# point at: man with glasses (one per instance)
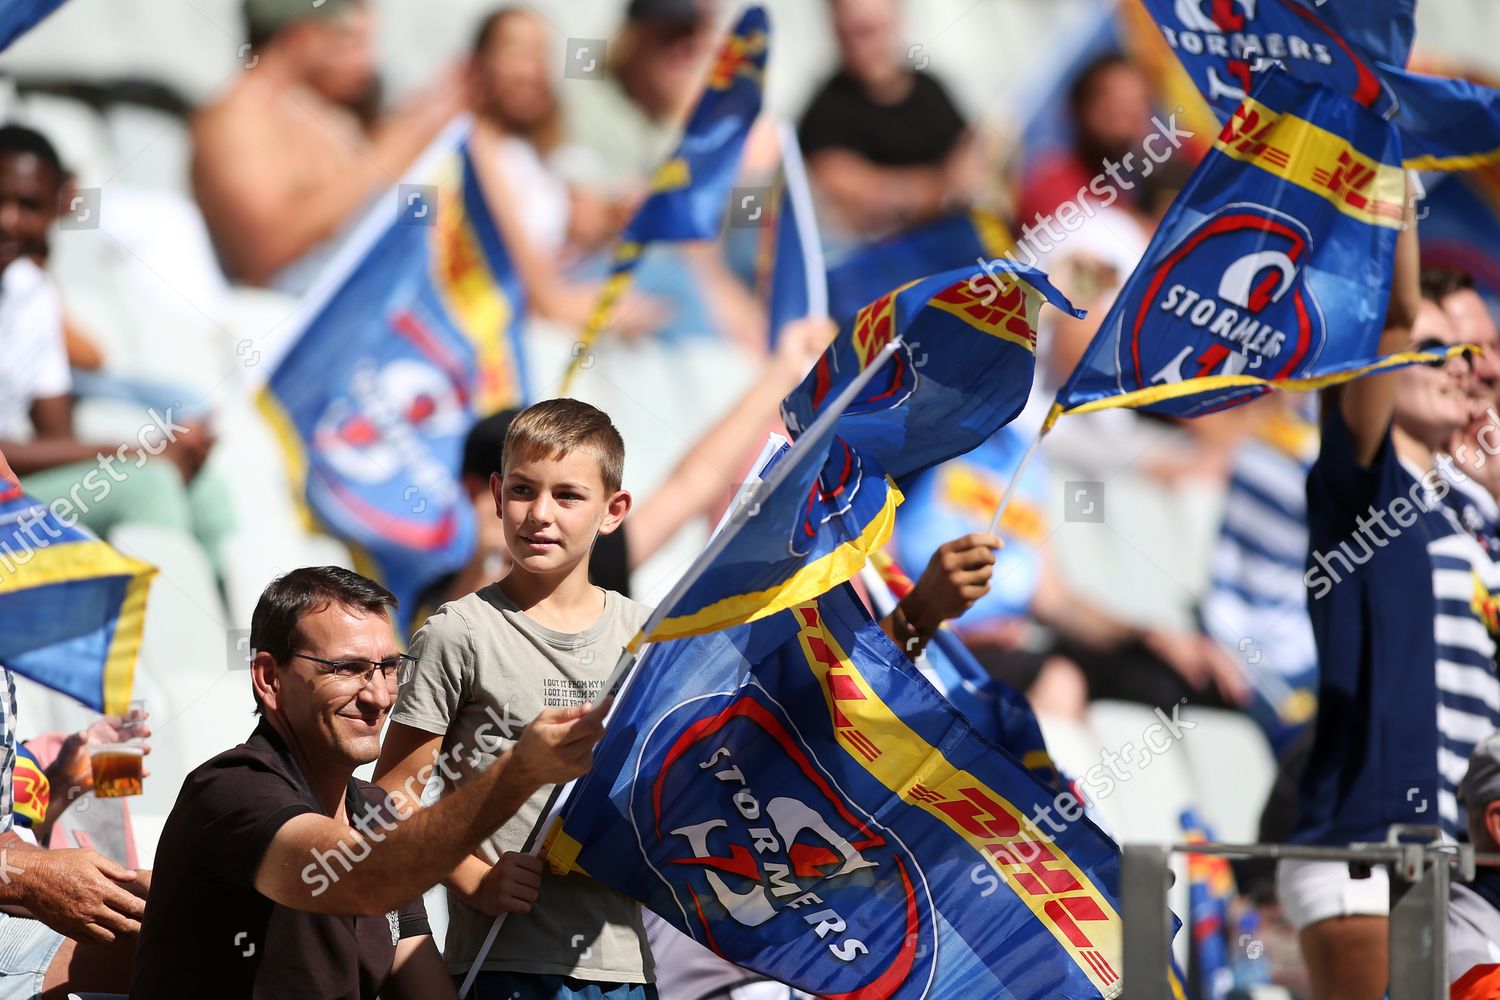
(281, 875)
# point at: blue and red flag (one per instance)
(1210, 891)
(690, 191)
(1272, 268)
(997, 711)
(71, 607)
(794, 797)
(951, 242)
(1357, 49)
(418, 335)
(933, 368)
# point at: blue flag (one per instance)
(418, 336)
(934, 368)
(1358, 49)
(19, 16)
(691, 189)
(797, 799)
(871, 270)
(799, 283)
(997, 711)
(71, 607)
(1210, 892)
(1272, 267)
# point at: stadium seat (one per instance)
(1227, 743)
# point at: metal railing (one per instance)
(1421, 871)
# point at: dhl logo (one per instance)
(970, 491)
(1005, 307)
(1311, 157)
(737, 58)
(1044, 879)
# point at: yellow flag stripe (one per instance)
(627, 255)
(1211, 383)
(1472, 161)
(1059, 894)
(817, 577)
(125, 645)
(1319, 161)
(70, 562)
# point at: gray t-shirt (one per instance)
(484, 670)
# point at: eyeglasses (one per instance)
(395, 669)
(1432, 345)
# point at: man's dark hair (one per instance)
(1440, 282)
(18, 140)
(293, 596)
(491, 24)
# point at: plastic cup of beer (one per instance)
(117, 767)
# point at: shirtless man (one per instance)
(282, 162)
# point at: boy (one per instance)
(544, 636)
(491, 661)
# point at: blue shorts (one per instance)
(527, 986)
(27, 947)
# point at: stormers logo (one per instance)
(761, 851)
(1235, 36)
(1229, 298)
(832, 495)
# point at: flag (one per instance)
(794, 797)
(921, 374)
(19, 16)
(963, 368)
(1210, 891)
(1459, 223)
(690, 190)
(417, 334)
(997, 711)
(871, 270)
(71, 607)
(796, 275)
(1357, 49)
(1272, 267)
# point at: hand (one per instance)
(70, 773)
(800, 345)
(1227, 674)
(1182, 652)
(80, 893)
(558, 745)
(957, 575)
(189, 450)
(512, 885)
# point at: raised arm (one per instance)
(426, 844)
(1368, 403)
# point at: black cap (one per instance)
(684, 12)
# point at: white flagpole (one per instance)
(742, 513)
(1015, 479)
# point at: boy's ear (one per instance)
(497, 488)
(615, 511)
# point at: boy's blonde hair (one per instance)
(556, 427)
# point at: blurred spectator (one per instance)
(629, 118)
(885, 144)
(102, 484)
(1111, 109)
(1119, 660)
(282, 162)
(1474, 469)
(1474, 909)
(1399, 595)
(1256, 607)
(621, 127)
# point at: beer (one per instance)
(117, 770)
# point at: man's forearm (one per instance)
(430, 843)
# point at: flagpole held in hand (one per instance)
(635, 652)
(1015, 478)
